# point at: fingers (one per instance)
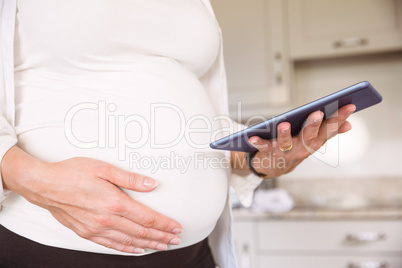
(140, 236)
(261, 144)
(284, 138)
(294, 150)
(345, 127)
(133, 210)
(148, 218)
(117, 246)
(128, 180)
(122, 242)
(335, 124)
(140, 225)
(314, 134)
(149, 224)
(116, 232)
(312, 127)
(281, 143)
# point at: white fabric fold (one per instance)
(8, 137)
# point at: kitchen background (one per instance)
(347, 198)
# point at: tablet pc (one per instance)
(362, 95)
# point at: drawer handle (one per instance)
(366, 237)
(369, 264)
(351, 42)
(278, 68)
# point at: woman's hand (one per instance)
(83, 195)
(293, 150)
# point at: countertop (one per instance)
(311, 213)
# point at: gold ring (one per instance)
(287, 149)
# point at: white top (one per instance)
(129, 69)
(154, 73)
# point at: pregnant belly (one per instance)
(156, 120)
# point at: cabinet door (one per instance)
(321, 236)
(321, 28)
(256, 60)
(244, 241)
(329, 261)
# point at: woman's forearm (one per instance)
(238, 161)
(20, 171)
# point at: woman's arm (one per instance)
(83, 195)
(272, 161)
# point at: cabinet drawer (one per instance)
(334, 28)
(330, 235)
(329, 262)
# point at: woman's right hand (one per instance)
(83, 195)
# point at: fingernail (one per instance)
(352, 111)
(161, 247)
(318, 120)
(175, 241)
(176, 231)
(151, 183)
(285, 130)
(255, 142)
(138, 251)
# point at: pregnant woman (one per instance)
(107, 109)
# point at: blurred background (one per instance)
(342, 207)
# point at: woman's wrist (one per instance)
(251, 164)
(20, 171)
(239, 162)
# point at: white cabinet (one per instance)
(263, 38)
(341, 236)
(255, 53)
(244, 243)
(330, 262)
(325, 28)
(265, 243)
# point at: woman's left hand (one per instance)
(293, 150)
